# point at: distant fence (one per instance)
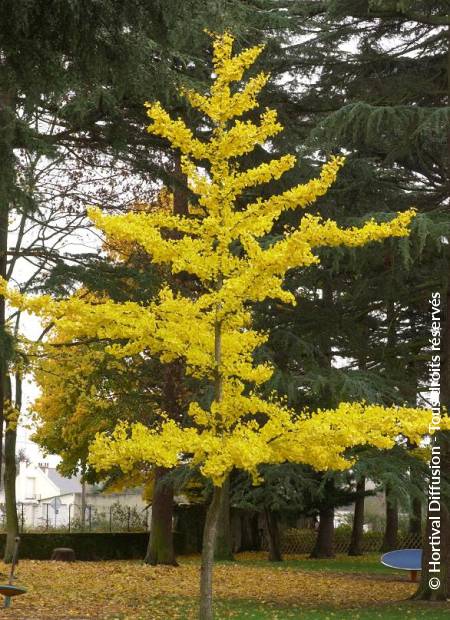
(122, 518)
(44, 517)
(296, 541)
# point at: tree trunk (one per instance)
(325, 535)
(83, 502)
(209, 543)
(390, 539)
(356, 540)
(212, 516)
(434, 583)
(12, 522)
(224, 545)
(160, 548)
(254, 533)
(273, 535)
(237, 530)
(415, 519)
(180, 191)
(3, 349)
(250, 538)
(7, 177)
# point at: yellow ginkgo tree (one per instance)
(219, 244)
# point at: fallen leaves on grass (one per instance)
(133, 591)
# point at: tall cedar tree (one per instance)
(384, 99)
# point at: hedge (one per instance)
(187, 539)
(87, 546)
(189, 523)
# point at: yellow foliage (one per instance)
(319, 439)
(69, 409)
(11, 415)
(212, 331)
(132, 590)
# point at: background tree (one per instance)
(283, 493)
(385, 99)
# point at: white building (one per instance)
(45, 499)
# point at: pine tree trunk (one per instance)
(224, 545)
(325, 535)
(415, 520)
(273, 535)
(356, 540)
(390, 539)
(180, 193)
(249, 532)
(323, 547)
(237, 525)
(160, 548)
(254, 534)
(208, 546)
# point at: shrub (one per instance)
(87, 546)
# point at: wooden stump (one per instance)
(63, 554)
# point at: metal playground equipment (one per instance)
(9, 590)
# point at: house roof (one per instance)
(65, 485)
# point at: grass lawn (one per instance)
(367, 563)
(250, 588)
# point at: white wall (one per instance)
(33, 484)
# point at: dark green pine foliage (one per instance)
(380, 94)
(368, 79)
(383, 97)
(291, 492)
